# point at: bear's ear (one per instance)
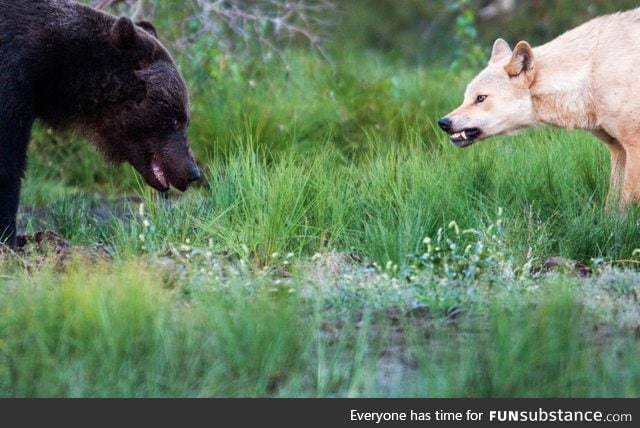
(148, 27)
(123, 34)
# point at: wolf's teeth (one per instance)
(460, 135)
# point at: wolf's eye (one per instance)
(480, 98)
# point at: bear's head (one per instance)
(147, 127)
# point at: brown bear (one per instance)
(76, 68)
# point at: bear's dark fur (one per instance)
(80, 69)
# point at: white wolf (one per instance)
(587, 78)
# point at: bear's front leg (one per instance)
(9, 198)
(15, 131)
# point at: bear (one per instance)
(77, 69)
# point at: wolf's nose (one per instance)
(445, 124)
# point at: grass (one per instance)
(300, 266)
(127, 331)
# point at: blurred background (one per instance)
(438, 32)
(426, 32)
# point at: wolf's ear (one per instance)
(521, 63)
(500, 50)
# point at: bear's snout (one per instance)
(181, 172)
(194, 173)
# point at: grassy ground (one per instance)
(338, 246)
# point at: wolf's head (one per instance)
(498, 100)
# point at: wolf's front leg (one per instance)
(631, 185)
(618, 157)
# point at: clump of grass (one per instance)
(79, 334)
(456, 263)
(102, 332)
(539, 345)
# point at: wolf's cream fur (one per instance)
(587, 78)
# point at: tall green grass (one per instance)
(124, 331)
(116, 332)
(534, 348)
(550, 185)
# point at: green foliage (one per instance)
(468, 53)
(136, 329)
(106, 333)
(537, 341)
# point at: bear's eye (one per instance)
(480, 98)
(180, 122)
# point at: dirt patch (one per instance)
(46, 241)
(562, 265)
(47, 246)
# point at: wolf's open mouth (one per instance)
(465, 137)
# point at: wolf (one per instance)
(587, 78)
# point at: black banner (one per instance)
(340, 412)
